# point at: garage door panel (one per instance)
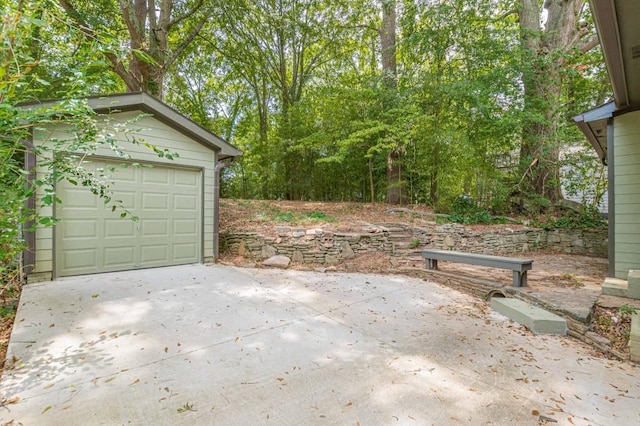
(74, 229)
(168, 202)
(83, 260)
(155, 201)
(155, 175)
(118, 228)
(76, 198)
(127, 198)
(124, 175)
(154, 253)
(185, 227)
(119, 257)
(184, 178)
(154, 228)
(185, 202)
(184, 251)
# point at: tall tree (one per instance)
(153, 42)
(546, 45)
(277, 46)
(390, 80)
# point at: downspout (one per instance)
(216, 204)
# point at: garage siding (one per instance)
(148, 130)
(627, 188)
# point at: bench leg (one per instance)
(519, 279)
(432, 264)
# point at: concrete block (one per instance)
(633, 286)
(635, 327)
(634, 338)
(536, 319)
(614, 287)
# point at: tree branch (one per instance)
(181, 48)
(116, 64)
(589, 44)
(186, 15)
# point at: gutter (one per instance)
(216, 204)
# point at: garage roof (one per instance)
(138, 101)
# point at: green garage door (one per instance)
(91, 238)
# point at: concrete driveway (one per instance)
(229, 346)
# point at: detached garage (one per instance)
(174, 200)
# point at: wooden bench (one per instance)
(518, 266)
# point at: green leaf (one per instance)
(144, 56)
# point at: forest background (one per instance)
(398, 101)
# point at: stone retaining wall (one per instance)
(317, 245)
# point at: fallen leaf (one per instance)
(47, 408)
(348, 404)
(166, 349)
(13, 400)
(109, 379)
(535, 412)
(95, 295)
(135, 382)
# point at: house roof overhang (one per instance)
(143, 102)
(593, 124)
(619, 35)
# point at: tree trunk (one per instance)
(542, 65)
(390, 79)
(148, 26)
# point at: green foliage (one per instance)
(7, 311)
(11, 243)
(415, 243)
(283, 216)
(286, 216)
(627, 310)
(465, 211)
(587, 218)
(73, 130)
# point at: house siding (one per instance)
(150, 130)
(627, 193)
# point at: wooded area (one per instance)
(404, 101)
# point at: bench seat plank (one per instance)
(519, 266)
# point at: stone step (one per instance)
(633, 284)
(614, 287)
(621, 288)
(536, 319)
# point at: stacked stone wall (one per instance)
(317, 245)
